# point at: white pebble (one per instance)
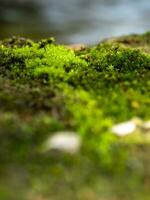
(124, 128)
(146, 126)
(65, 141)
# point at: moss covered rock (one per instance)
(46, 87)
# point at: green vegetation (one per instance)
(45, 88)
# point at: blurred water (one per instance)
(73, 21)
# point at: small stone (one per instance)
(146, 126)
(64, 141)
(124, 128)
(75, 47)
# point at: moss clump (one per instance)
(45, 87)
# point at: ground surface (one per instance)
(45, 88)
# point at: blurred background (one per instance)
(73, 21)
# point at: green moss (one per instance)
(44, 88)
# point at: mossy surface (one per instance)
(45, 88)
